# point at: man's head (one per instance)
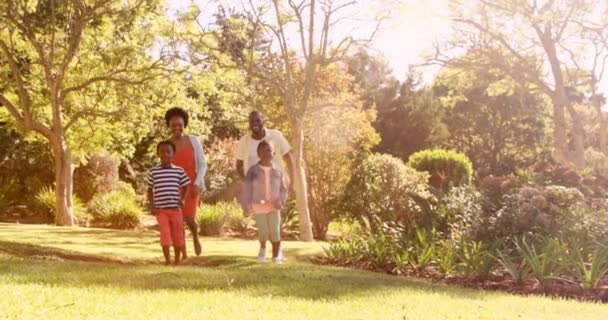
(165, 150)
(256, 122)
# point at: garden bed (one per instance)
(497, 281)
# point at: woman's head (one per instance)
(265, 152)
(177, 120)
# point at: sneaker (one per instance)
(277, 260)
(262, 255)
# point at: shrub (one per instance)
(446, 168)
(98, 175)
(445, 256)
(7, 193)
(213, 218)
(290, 220)
(116, 208)
(350, 250)
(540, 261)
(464, 213)
(235, 220)
(475, 258)
(378, 249)
(382, 189)
(220, 174)
(43, 206)
(596, 161)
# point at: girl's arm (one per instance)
(282, 193)
(245, 198)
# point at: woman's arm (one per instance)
(201, 163)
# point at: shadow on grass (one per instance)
(219, 272)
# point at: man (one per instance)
(247, 155)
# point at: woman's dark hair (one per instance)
(166, 143)
(262, 144)
(176, 112)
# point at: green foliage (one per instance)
(541, 261)
(588, 263)
(596, 161)
(346, 249)
(290, 219)
(235, 219)
(98, 175)
(475, 258)
(378, 249)
(446, 256)
(446, 168)
(518, 270)
(382, 189)
(117, 208)
(213, 218)
(7, 193)
(43, 205)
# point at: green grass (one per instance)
(66, 273)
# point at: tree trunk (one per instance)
(560, 145)
(64, 169)
(596, 101)
(300, 184)
(578, 138)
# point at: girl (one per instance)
(264, 194)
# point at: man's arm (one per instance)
(288, 159)
(239, 169)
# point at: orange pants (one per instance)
(171, 225)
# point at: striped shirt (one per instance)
(166, 183)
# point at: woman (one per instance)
(189, 156)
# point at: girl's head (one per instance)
(165, 150)
(177, 120)
(265, 152)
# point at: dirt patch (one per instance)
(498, 281)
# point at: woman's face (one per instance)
(176, 125)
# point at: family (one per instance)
(176, 184)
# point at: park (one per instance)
(303, 159)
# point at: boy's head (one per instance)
(165, 150)
(265, 152)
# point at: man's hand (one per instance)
(291, 189)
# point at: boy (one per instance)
(165, 201)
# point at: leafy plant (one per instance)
(43, 205)
(7, 187)
(422, 249)
(518, 271)
(379, 249)
(475, 258)
(446, 257)
(590, 265)
(117, 208)
(541, 262)
(348, 249)
(446, 167)
(211, 219)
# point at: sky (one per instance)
(409, 30)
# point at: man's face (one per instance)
(256, 123)
(165, 152)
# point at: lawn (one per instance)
(66, 273)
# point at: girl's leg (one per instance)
(261, 223)
(274, 227)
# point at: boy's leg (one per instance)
(177, 234)
(165, 234)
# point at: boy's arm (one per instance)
(151, 201)
(184, 194)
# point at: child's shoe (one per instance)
(262, 255)
(277, 260)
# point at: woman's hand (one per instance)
(196, 191)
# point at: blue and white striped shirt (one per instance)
(166, 183)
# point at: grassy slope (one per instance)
(89, 281)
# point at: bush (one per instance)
(213, 218)
(446, 168)
(117, 208)
(235, 220)
(220, 174)
(7, 193)
(43, 206)
(98, 175)
(464, 214)
(382, 189)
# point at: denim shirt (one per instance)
(254, 190)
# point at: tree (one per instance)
(537, 35)
(73, 72)
(290, 68)
(499, 123)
